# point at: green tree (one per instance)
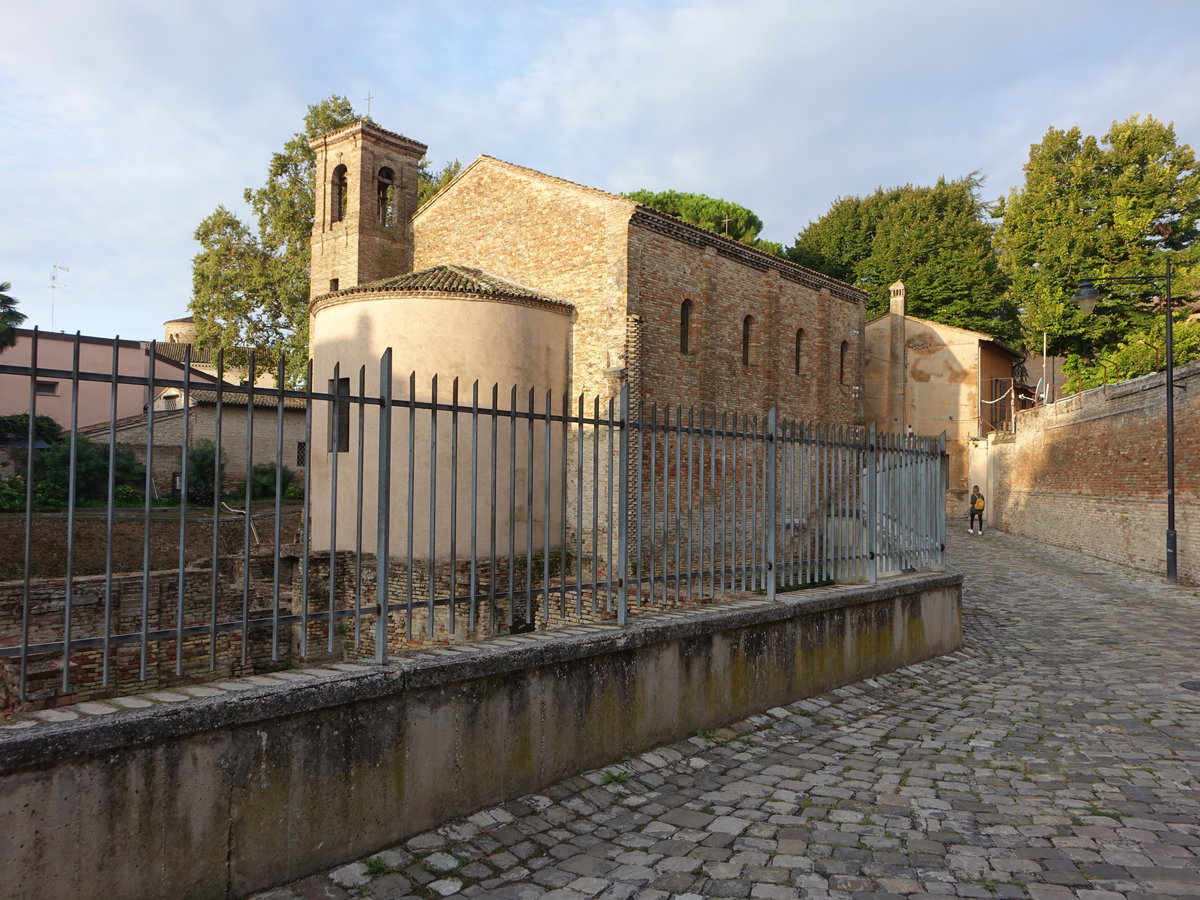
(263, 480)
(839, 242)
(719, 216)
(10, 317)
(1139, 353)
(430, 183)
(250, 286)
(250, 282)
(937, 239)
(1109, 207)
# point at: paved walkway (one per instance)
(1055, 756)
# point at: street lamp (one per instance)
(1086, 298)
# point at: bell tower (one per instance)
(366, 194)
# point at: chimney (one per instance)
(899, 299)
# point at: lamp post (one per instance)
(1086, 298)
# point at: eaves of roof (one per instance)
(451, 279)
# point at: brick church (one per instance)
(681, 314)
(545, 292)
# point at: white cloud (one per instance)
(127, 121)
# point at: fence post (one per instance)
(942, 483)
(383, 506)
(623, 510)
(872, 523)
(772, 500)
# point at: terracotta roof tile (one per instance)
(452, 279)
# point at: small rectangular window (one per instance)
(301, 453)
(47, 388)
(339, 415)
(333, 285)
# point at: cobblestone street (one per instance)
(1055, 756)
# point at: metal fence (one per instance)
(427, 516)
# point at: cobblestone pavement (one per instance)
(1055, 756)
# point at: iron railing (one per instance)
(426, 518)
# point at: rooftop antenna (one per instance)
(54, 286)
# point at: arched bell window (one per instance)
(338, 195)
(386, 193)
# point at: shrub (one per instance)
(262, 481)
(12, 492)
(124, 495)
(204, 473)
(48, 495)
(52, 468)
(16, 428)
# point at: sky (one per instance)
(126, 122)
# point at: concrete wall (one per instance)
(222, 795)
(1089, 473)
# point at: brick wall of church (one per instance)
(579, 243)
(723, 291)
(569, 242)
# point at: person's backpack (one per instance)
(979, 503)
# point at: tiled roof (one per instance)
(262, 397)
(367, 123)
(458, 280)
(176, 352)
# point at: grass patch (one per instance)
(376, 867)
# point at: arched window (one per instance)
(386, 190)
(685, 326)
(747, 327)
(842, 363)
(799, 349)
(338, 194)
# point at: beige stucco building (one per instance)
(926, 377)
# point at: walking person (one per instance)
(977, 507)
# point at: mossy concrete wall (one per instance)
(221, 795)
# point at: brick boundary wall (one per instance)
(1089, 473)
